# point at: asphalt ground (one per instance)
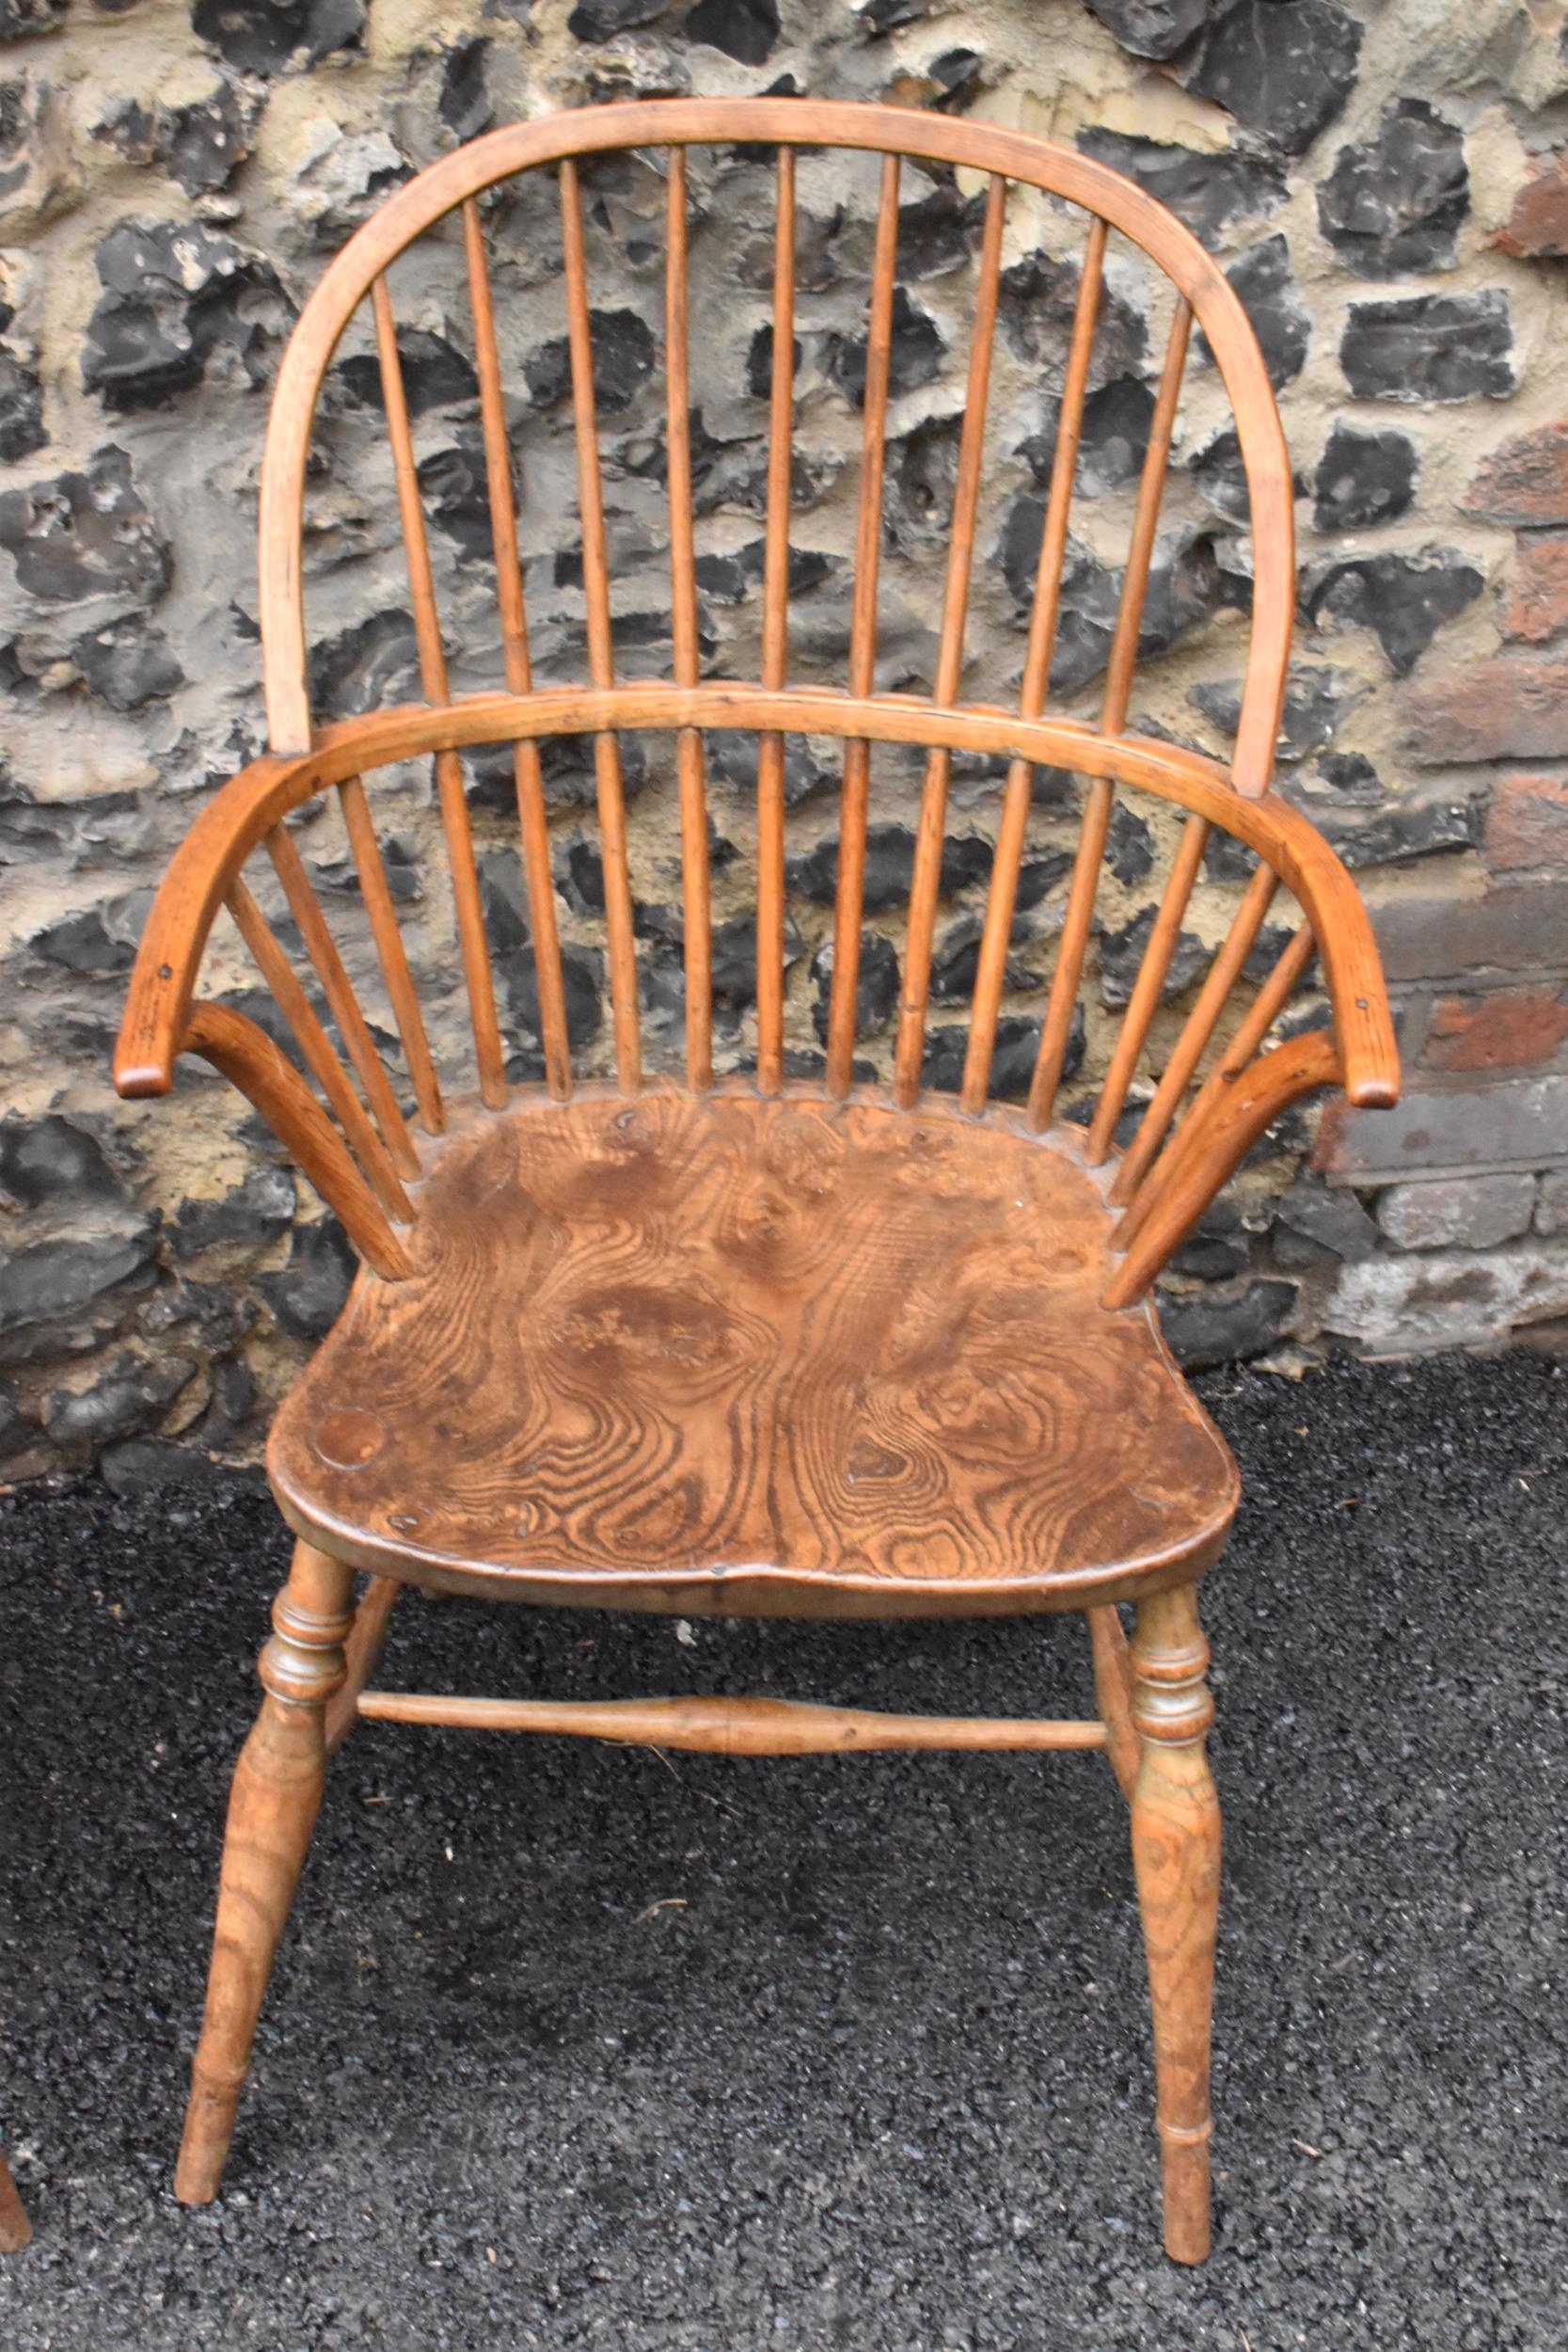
(571, 2045)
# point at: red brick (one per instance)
(1538, 601)
(1524, 479)
(1539, 222)
(1506, 1029)
(1526, 824)
(1514, 707)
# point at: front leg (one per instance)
(1175, 1859)
(272, 1810)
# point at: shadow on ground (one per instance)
(574, 2046)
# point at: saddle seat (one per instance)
(738, 1355)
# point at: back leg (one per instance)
(1113, 1691)
(1175, 1859)
(360, 1653)
(272, 1810)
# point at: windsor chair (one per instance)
(774, 1332)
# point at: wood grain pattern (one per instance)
(732, 1353)
(726, 1350)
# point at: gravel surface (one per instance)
(578, 2047)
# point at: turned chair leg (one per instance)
(272, 1810)
(360, 1653)
(16, 2231)
(1175, 1859)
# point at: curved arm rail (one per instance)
(231, 825)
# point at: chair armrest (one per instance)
(162, 1019)
(1369, 1057)
(200, 874)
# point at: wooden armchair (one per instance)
(792, 1340)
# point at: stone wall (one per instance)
(1387, 186)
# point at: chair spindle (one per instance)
(601, 660)
(390, 953)
(338, 989)
(1251, 1030)
(775, 643)
(925, 884)
(433, 679)
(1195, 1033)
(697, 916)
(316, 1047)
(863, 644)
(1013, 829)
(1118, 686)
(528, 781)
(1141, 1004)
(1140, 552)
(247, 1056)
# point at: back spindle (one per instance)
(1145, 997)
(433, 680)
(601, 665)
(775, 643)
(390, 953)
(1013, 829)
(926, 885)
(526, 779)
(1120, 667)
(863, 644)
(697, 917)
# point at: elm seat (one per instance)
(790, 1356)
